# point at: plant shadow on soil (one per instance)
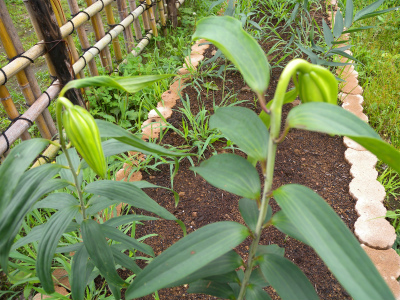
(312, 159)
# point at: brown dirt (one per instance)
(311, 159)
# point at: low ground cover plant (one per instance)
(204, 259)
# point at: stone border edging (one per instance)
(374, 232)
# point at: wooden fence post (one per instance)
(55, 46)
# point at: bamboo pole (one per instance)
(55, 47)
(162, 16)
(15, 131)
(39, 49)
(92, 52)
(115, 42)
(22, 80)
(153, 25)
(10, 108)
(136, 24)
(13, 35)
(74, 8)
(146, 18)
(128, 36)
(50, 152)
(139, 48)
(61, 20)
(105, 55)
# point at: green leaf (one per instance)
(333, 242)
(231, 173)
(57, 201)
(131, 84)
(338, 28)
(118, 236)
(100, 252)
(270, 249)
(110, 130)
(216, 289)
(186, 256)
(254, 292)
(239, 47)
(243, 127)
(377, 13)
(54, 228)
(286, 278)
(345, 54)
(327, 33)
(369, 9)
(348, 18)
(257, 278)
(249, 211)
(32, 186)
(66, 173)
(14, 166)
(222, 265)
(283, 223)
(128, 193)
(331, 119)
(79, 268)
(358, 29)
(121, 220)
(124, 260)
(98, 203)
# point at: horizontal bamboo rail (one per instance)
(18, 128)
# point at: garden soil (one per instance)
(312, 159)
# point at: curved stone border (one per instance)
(374, 232)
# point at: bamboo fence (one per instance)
(20, 61)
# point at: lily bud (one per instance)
(84, 135)
(318, 85)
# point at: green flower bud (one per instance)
(84, 135)
(317, 85)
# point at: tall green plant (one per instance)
(209, 267)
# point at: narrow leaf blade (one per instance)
(186, 256)
(333, 242)
(231, 173)
(244, 128)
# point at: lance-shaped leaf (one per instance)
(348, 18)
(328, 36)
(286, 278)
(331, 119)
(128, 193)
(231, 173)
(216, 289)
(14, 167)
(222, 265)
(239, 47)
(33, 185)
(367, 10)
(110, 130)
(254, 292)
(249, 211)
(100, 252)
(243, 127)
(80, 271)
(283, 223)
(186, 256)
(338, 28)
(131, 84)
(333, 241)
(55, 227)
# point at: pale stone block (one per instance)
(349, 143)
(362, 172)
(353, 107)
(365, 158)
(367, 190)
(151, 128)
(168, 99)
(375, 233)
(177, 87)
(61, 278)
(370, 209)
(350, 99)
(351, 86)
(344, 70)
(183, 71)
(166, 112)
(386, 261)
(197, 49)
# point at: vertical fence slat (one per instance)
(136, 24)
(152, 20)
(74, 8)
(55, 46)
(127, 33)
(115, 42)
(61, 20)
(105, 55)
(10, 108)
(162, 16)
